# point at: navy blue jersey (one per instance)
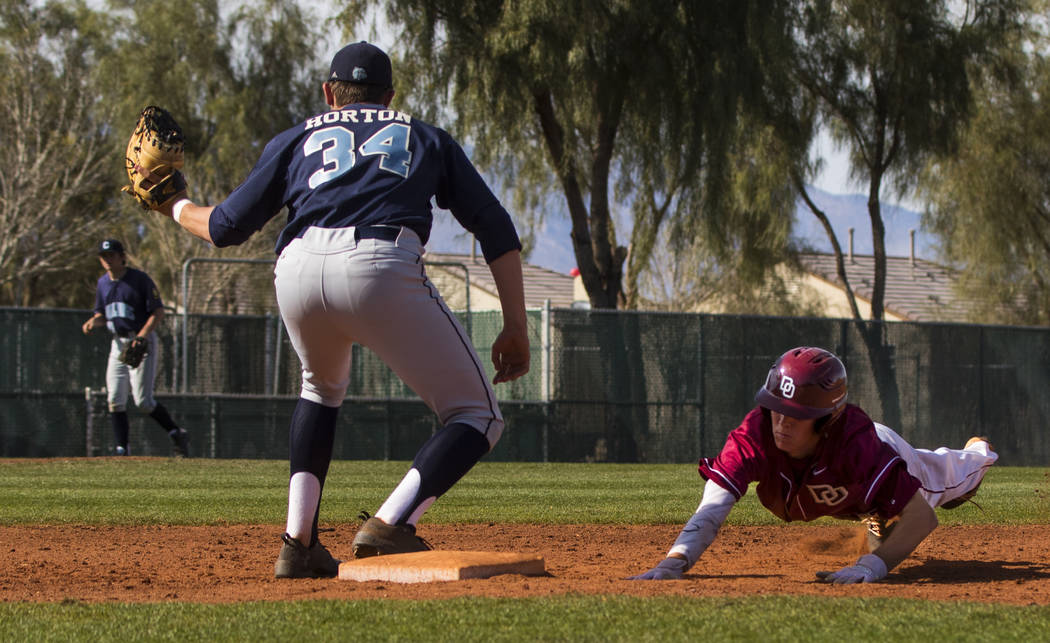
(127, 302)
(363, 165)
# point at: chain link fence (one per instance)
(605, 386)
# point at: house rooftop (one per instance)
(916, 289)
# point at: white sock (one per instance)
(400, 500)
(304, 492)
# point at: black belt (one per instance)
(384, 232)
(124, 334)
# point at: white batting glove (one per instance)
(668, 569)
(869, 568)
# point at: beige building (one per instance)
(916, 289)
(452, 273)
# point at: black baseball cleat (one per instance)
(299, 561)
(181, 441)
(376, 538)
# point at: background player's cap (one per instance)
(110, 245)
(362, 63)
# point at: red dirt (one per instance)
(220, 564)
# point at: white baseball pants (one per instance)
(945, 473)
(120, 379)
(334, 291)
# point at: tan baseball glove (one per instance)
(154, 158)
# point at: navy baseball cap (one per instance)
(110, 245)
(362, 63)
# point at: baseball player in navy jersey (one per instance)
(357, 181)
(127, 303)
(814, 455)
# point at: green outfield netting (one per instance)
(605, 386)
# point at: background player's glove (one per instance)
(668, 569)
(134, 352)
(154, 158)
(868, 569)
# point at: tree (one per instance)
(745, 262)
(625, 107)
(689, 280)
(990, 202)
(892, 81)
(54, 138)
(233, 81)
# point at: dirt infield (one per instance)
(221, 564)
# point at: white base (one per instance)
(430, 566)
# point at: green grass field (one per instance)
(194, 492)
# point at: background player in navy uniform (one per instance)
(127, 303)
(358, 181)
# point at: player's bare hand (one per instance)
(88, 326)
(668, 569)
(510, 355)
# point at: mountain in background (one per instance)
(554, 246)
(847, 211)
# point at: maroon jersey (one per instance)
(852, 474)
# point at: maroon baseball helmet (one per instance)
(805, 383)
